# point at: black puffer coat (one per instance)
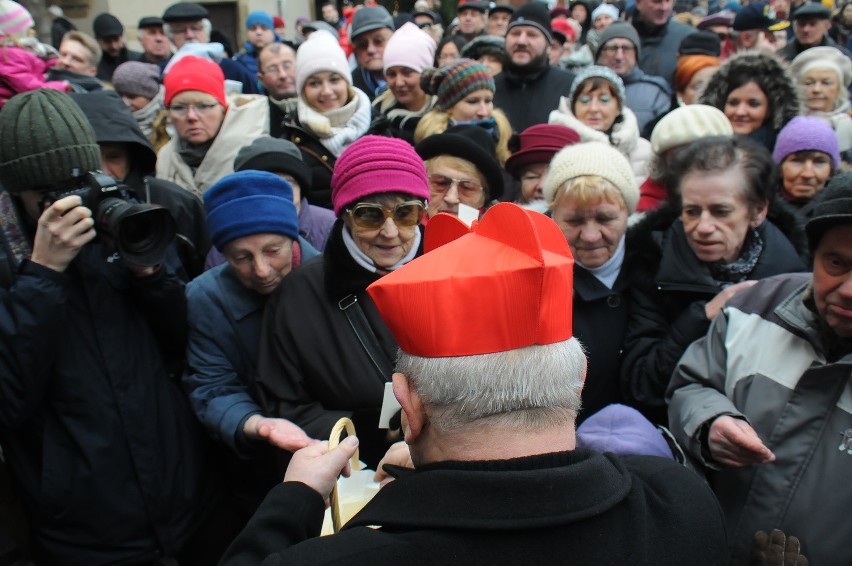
(670, 290)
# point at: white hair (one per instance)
(208, 29)
(529, 388)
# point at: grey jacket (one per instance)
(766, 360)
(647, 95)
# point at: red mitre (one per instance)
(503, 284)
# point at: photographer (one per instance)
(100, 442)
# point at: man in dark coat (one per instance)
(372, 27)
(99, 439)
(489, 386)
(529, 88)
(110, 35)
(660, 36)
(811, 23)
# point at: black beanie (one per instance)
(45, 140)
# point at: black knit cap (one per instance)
(471, 143)
(275, 156)
(45, 140)
(833, 208)
(701, 43)
(533, 14)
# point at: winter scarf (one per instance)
(338, 128)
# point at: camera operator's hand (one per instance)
(63, 229)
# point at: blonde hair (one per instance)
(588, 190)
(86, 41)
(437, 121)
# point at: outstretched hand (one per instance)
(281, 433)
(732, 442)
(318, 467)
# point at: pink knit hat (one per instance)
(14, 18)
(409, 47)
(375, 165)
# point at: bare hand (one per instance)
(714, 306)
(278, 432)
(319, 468)
(63, 229)
(732, 442)
(397, 455)
(142, 270)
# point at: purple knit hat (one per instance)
(374, 165)
(624, 431)
(806, 133)
(455, 80)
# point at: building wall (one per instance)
(129, 13)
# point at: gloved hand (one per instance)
(776, 549)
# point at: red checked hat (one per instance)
(504, 284)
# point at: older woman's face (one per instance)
(325, 91)
(821, 89)
(695, 88)
(385, 246)
(716, 216)
(478, 105)
(592, 230)
(196, 116)
(449, 53)
(805, 172)
(449, 186)
(596, 107)
(746, 108)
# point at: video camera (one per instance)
(141, 232)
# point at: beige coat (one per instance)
(246, 119)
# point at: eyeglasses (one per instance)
(372, 216)
(181, 110)
(613, 49)
(466, 187)
(364, 42)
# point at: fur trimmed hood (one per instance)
(771, 76)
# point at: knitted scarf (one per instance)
(729, 273)
(338, 128)
(145, 115)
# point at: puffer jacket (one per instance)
(670, 290)
(768, 360)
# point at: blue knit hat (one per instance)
(248, 203)
(261, 18)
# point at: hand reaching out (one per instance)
(278, 432)
(732, 442)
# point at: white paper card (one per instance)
(468, 214)
(389, 406)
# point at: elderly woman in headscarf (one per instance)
(325, 352)
(398, 110)
(596, 108)
(209, 128)
(823, 75)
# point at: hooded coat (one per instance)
(774, 80)
(113, 123)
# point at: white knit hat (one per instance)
(688, 123)
(592, 158)
(410, 47)
(320, 52)
(823, 57)
(14, 19)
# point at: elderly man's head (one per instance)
(830, 238)
(153, 39)
(186, 22)
(619, 48)
(372, 28)
(79, 53)
(810, 24)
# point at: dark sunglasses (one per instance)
(371, 216)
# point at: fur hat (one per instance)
(770, 75)
(588, 159)
(822, 57)
(686, 124)
(455, 80)
(275, 156)
(806, 133)
(374, 165)
(320, 52)
(485, 45)
(45, 140)
(409, 47)
(248, 203)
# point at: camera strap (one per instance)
(358, 321)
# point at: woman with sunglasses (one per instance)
(463, 171)
(325, 352)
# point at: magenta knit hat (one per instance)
(374, 165)
(806, 133)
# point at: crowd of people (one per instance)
(600, 254)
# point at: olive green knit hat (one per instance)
(44, 140)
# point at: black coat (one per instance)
(671, 288)
(102, 444)
(576, 507)
(312, 368)
(528, 100)
(314, 154)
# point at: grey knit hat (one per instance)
(136, 78)
(621, 30)
(599, 72)
(45, 140)
(276, 156)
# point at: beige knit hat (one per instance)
(688, 123)
(592, 158)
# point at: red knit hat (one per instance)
(195, 73)
(505, 284)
